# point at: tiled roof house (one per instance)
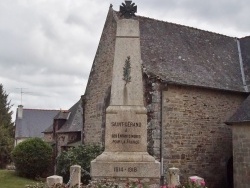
(61, 128)
(66, 128)
(31, 122)
(194, 81)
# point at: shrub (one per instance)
(32, 157)
(81, 155)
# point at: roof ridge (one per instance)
(42, 109)
(190, 27)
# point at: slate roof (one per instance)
(34, 121)
(184, 55)
(242, 114)
(49, 129)
(74, 122)
(62, 115)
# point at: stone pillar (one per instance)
(173, 177)
(53, 180)
(125, 154)
(75, 175)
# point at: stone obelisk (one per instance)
(125, 154)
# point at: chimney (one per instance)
(20, 112)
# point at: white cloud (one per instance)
(48, 46)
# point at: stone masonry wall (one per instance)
(152, 96)
(62, 140)
(241, 155)
(99, 84)
(65, 138)
(48, 137)
(196, 140)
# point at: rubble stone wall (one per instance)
(99, 85)
(241, 154)
(195, 138)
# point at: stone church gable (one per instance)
(99, 82)
(193, 82)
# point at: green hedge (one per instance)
(32, 157)
(81, 155)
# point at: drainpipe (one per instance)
(83, 100)
(161, 137)
(241, 66)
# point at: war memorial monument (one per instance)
(125, 154)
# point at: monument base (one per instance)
(147, 173)
(125, 157)
(125, 164)
(125, 169)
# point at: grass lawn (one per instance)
(8, 179)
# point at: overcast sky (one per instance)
(47, 46)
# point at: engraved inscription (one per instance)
(126, 124)
(119, 169)
(122, 169)
(126, 141)
(132, 169)
(126, 135)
